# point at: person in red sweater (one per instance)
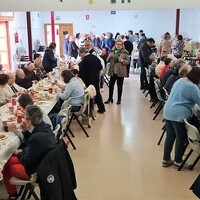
(167, 62)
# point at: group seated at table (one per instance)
(39, 139)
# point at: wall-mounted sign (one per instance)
(113, 12)
(87, 17)
(113, 1)
(122, 1)
(58, 18)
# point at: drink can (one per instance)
(14, 101)
(32, 92)
(19, 119)
(50, 90)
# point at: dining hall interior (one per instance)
(115, 145)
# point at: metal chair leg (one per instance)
(160, 104)
(161, 107)
(31, 189)
(185, 160)
(24, 193)
(161, 137)
(154, 103)
(147, 93)
(81, 126)
(70, 140)
(21, 190)
(195, 162)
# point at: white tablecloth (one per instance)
(7, 147)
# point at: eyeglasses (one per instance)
(118, 44)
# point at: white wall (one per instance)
(190, 24)
(153, 22)
(18, 25)
(37, 28)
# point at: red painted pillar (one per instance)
(177, 21)
(53, 26)
(29, 33)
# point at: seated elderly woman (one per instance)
(12, 88)
(39, 72)
(178, 73)
(175, 64)
(29, 71)
(21, 79)
(73, 89)
(39, 139)
(184, 95)
(3, 94)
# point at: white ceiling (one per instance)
(56, 5)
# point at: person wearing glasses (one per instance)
(39, 139)
(119, 59)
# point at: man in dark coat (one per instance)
(129, 47)
(49, 60)
(89, 71)
(144, 61)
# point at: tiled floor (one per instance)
(121, 160)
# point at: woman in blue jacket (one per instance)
(183, 97)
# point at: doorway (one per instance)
(60, 31)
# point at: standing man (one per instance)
(66, 46)
(131, 36)
(49, 60)
(89, 72)
(92, 50)
(109, 42)
(144, 61)
(129, 47)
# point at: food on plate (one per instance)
(2, 135)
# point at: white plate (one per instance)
(6, 136)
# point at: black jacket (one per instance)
(37, 144)
(72, 50)
(196, 187)
(128, 46)
(89, 70)
(145, 51)
(56, 175)
(49, 61)
(29, 75)
(23, 82)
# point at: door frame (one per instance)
(9, 68)
(45, 29)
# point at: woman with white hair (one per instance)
(21, 79)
